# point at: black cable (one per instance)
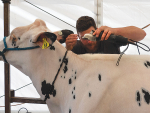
(136, 44)
(49, 14)
(117, 64)
(138, 48)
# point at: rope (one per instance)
(60, 67)
(146, 26)
(18, 89)
(14, 105)
(23, 87)
(49, 13)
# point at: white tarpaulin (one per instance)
(115, 13)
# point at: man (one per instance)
(86, 24)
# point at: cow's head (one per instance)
(26, 36)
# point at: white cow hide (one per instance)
(86, 83)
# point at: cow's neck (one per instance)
(45, 67)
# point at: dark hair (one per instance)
(84, 23)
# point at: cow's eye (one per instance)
(18, 38)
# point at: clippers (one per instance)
(118, 39)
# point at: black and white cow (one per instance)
(71, 83)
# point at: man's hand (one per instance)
(130, 32)
(71, 41)
(107, 32)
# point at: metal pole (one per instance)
(7, 66)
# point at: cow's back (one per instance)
(104, 87)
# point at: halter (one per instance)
(52, 89)
(13, 49)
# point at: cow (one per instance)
(71, 83)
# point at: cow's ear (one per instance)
(51, 36)
(46, 37)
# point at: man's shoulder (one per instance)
(78, 44)
(78, 48)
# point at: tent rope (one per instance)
(18, 88)
(49, 13)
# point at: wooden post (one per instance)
(7, 66)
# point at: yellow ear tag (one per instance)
(45, 44)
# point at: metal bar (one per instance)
(12, 93)
(27, 100)
(7, 66)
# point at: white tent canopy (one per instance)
(114, 13)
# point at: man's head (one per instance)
(86, 24)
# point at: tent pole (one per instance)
(98, 11)
(7, 66)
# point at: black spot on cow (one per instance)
(70, 81)
(66, 61)
(60, 60)
(52, 47)
(90, 94)
(75, 72)
(138, 98)
(69, 110)
(73, 89)
(54, 93)
(47, 89)
(147, 64)
(63, 76)
(99, 77)
(75, 77)
(74, 97)
(146, 96)
(65, 69)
